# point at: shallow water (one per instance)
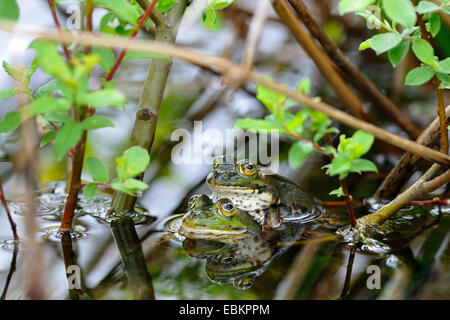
(299, 261)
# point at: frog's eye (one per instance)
(247, 169)
(193, 202)
(226, 209)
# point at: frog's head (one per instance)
(243, 183)
(218, 221)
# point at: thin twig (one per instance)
(58, 27)
(8, 213)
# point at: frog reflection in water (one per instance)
(269, 198)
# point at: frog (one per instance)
(219, 221)
(269, 198)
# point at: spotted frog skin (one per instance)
(269, 199)
(218, 221)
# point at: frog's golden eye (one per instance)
(248, 169)
(193, 202)
(226, 209)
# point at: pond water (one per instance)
(301, 260)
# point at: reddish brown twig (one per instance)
(429, 202)
(8, 213)
(58, 26)
(132, 36)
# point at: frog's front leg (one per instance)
(272, 217)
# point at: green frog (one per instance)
(219, 221)
(270, 199)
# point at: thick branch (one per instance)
(150, 101)
(358, 79)
(408, 163)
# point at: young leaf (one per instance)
(89, 190)
(96, 122)
(121, 8)
(401, 11)
(435, 24)
(46, 138)
(363, 165)
(52, 62)
(298, 153)
(346, 6)
(48, 88)
(337, 192)
(360, 144)
(15, 72)
(419, 76)
(97, 170)
(211, 18)
(9, 10)
(385, 41)
(9, 92)
(364, 45)
(46, 104)
(427, 7)
(304, 86)
(66, 138)
(397, 54)
(107, 57)
(103, 98)
(423, 51)
(133, 162)
(130, 186)
(10, 121)
(445, 65)
(256, 125)
(340, 165)
(165, 5)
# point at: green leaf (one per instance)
(48, 137)
(435, 24)
(9, 10)
(48, 88)
(337, 192)
(445, 65)
(427, 7)
(220, 4)
(211, 18)
(121, 8)
(10, 121)
(304, 86)
(58, 116)
(96, 122)
(256, 125)
(103, 98)
(97, 170)
(107, 57)
(89, 190)
(272, 100)
(353, 5)
(45, 104)
(9, 92)
(360, 144)
(298, 153)
(401, 11)
(419, 76)
(385, 41)
(66, 138)
(165, 5)
(363, 165)
(397, 54)
(423, 51)
(364, 45)
(340, 165)
(15, 72)
(133, 162)
(52, 62)
(130, 186)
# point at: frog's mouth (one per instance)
(196, 232)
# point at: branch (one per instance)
(150, 101)
(407, 165)
(358, 79)
(8, 213)
(52, 5)
(226, 67)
